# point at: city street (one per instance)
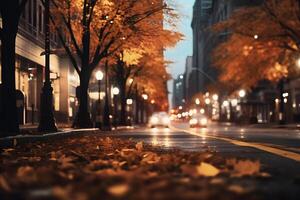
(160, 99)
(277, 149)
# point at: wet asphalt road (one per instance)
(278, 150)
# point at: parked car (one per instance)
(159, 119)
(198, 120)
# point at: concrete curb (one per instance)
(11, 141)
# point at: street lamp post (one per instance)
(47, 120)
(115, 91)
(99, 77)
(106, 120)
(144, 99)
(137, 105)
(129, 103)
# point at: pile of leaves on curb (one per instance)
(95, 167)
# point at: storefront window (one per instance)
(28, 80)
(56, 90)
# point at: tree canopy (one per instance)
(262, 43)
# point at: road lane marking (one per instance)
(280, 152)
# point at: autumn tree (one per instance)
(139, 58)
(143, 71)
(91, 30)
(263, 43)
(10, 14)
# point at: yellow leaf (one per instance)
(236, 189)
(246, 168)
(4, 184)
(139, 146)
(118, 190)
(206, 169)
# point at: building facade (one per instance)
(30, 69)
(178, 91)
(206, 13)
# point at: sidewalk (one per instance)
(30, 134)
(291, 126)
(12, 141)
(94, 166)
(276, 125)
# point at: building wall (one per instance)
(178, 91)
(206, 13)
(30, 68)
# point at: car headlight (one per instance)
(203, 121)
(154, 120)
(166, 120)
(193, 121)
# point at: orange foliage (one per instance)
(263, 44)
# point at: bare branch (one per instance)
(67, 22)
(66, 47)
(293, 34)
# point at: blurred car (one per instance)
(159, 119)
(198, 120)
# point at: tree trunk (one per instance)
(282, 117)
(137, 106)
(83, 118)
(123, 102)
(8, 111)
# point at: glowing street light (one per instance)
(129, 101)
(202, 111)
(130, 81)
(207, 101)
(234, 102)
(145, 96)
(115, 91)
(255, 37)
(215, 97)
(99, 75)
(226, 103)
(242, 93)
(197, 101)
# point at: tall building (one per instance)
(30, 69)
(178, 91)
(190, 88)
(205, 14)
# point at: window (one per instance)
(34, 14)
(30, 11)
(40, 13)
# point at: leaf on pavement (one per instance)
(237, 189)
(107, 142)
(31, 159)
(66, 162)
(246, 168)
(118, 190)
(139, 146)
(4, 184)
(7, 152)
(206, 169)
(190, 170)
(150, 158)
(24, 171)
(26, 174)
